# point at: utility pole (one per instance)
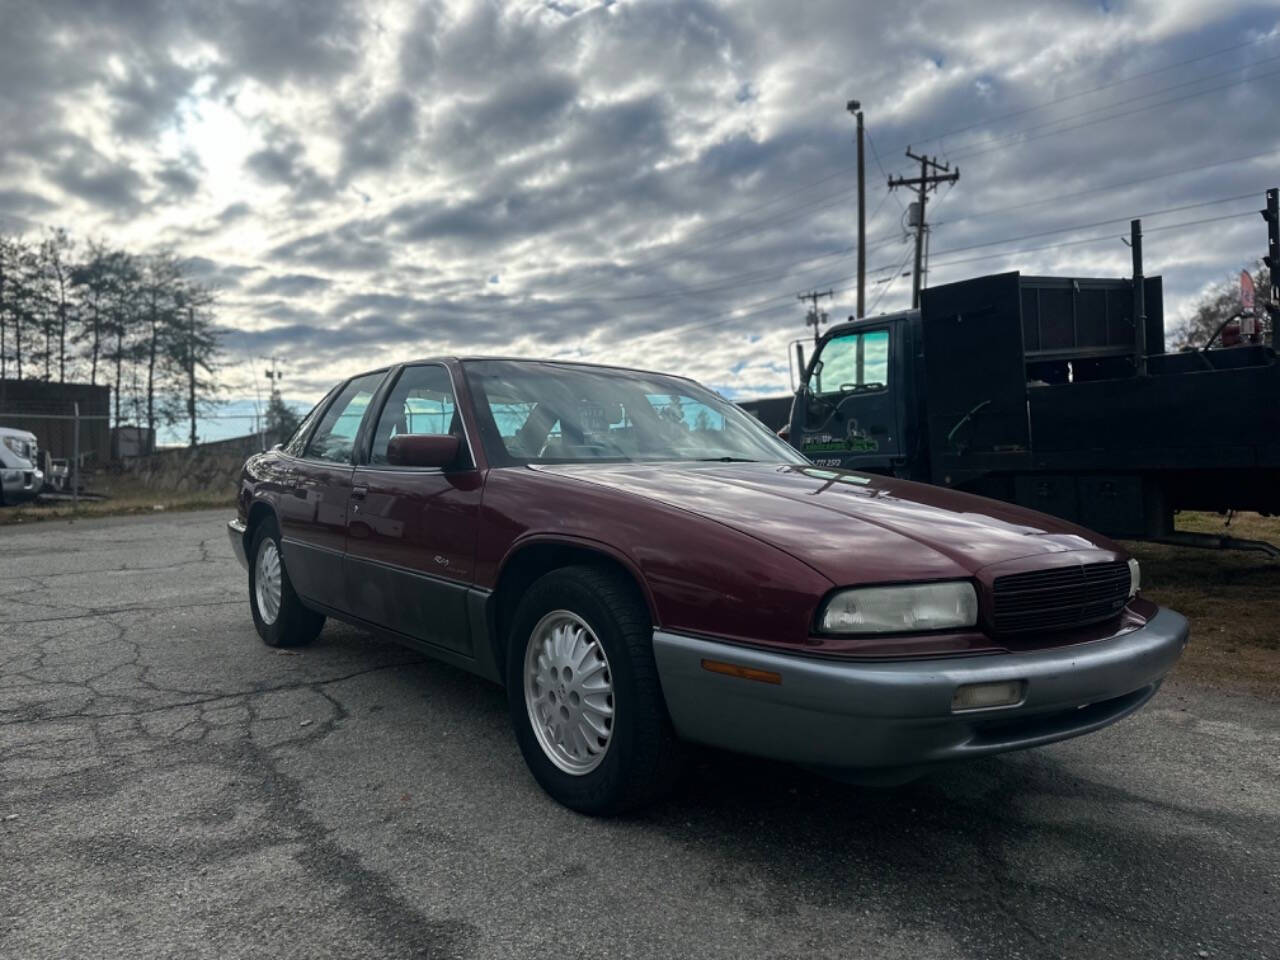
(923, 184)
(1139, 297)
(191, 371)
(815, 317)
(1271, 214)
(855, 107)
(273, 375)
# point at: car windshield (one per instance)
(561, 413)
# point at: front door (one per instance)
(412, 530)
(852, 414)
(313, 511)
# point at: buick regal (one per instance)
(643, 565)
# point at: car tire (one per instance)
(593, 618)
(279, 615)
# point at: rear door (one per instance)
(313, 508)
(853, 419)
(410, 554)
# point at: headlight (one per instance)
(17, 446)
(1135, 578)
(904, 609)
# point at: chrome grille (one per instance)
(1059, 598)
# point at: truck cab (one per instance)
(856, 406)
(1048, 393)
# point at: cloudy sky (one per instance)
(634, 182)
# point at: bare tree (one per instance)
(93, 281)
(1219, 304)
(121, 317)
(192, 356)
(55, 256)
(163, 289)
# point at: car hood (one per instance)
(851, 527)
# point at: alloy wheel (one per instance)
(568, 690)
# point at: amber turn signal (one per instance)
(741, 672)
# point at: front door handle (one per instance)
(358, 493)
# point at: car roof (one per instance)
(465, 358)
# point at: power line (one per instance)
(1110, 106)
(838, 285)
(823, 200)
(744, 279)
(1099, 223)
(844, 171)
(997, 145)
(891, 280)
(1106, 86)
(753, 277)
(1097, 239)
(1113, 186)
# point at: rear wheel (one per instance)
(584, 695)
(279, 615)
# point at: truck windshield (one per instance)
(561, 413)
(852, 362)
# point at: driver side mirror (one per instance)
(423, 450)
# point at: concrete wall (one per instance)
(208, 467)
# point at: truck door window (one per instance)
(852, 363)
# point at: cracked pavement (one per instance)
(171, 787)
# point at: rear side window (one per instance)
(420, 402)
(335, 437)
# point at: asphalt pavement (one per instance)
(169, 787)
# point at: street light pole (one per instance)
(855, 107)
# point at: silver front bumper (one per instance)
(856, 716)
(21, 484)
(235, 531)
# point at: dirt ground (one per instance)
(1232, 598)
(124, 496)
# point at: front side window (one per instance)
(335, 437)
(293, 447)
(852, 363)
(561, 413)
(420, 402)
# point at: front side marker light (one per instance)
(988, 696)
(741, 672)
(1135, 578)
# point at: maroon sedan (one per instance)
(640, 563)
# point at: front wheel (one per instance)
(584, 695)
(279, 615)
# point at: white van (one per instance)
(20, 476)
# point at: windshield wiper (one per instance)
(726, 460)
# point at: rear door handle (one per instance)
(358, 493)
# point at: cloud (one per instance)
(178, 179)
(25, 202)
(291, 285)
(377, 136)
(112, 185)
(651, 183)
(235, 211)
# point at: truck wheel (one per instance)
(279, 615)
(584, 695)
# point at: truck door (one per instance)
(850, 417)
